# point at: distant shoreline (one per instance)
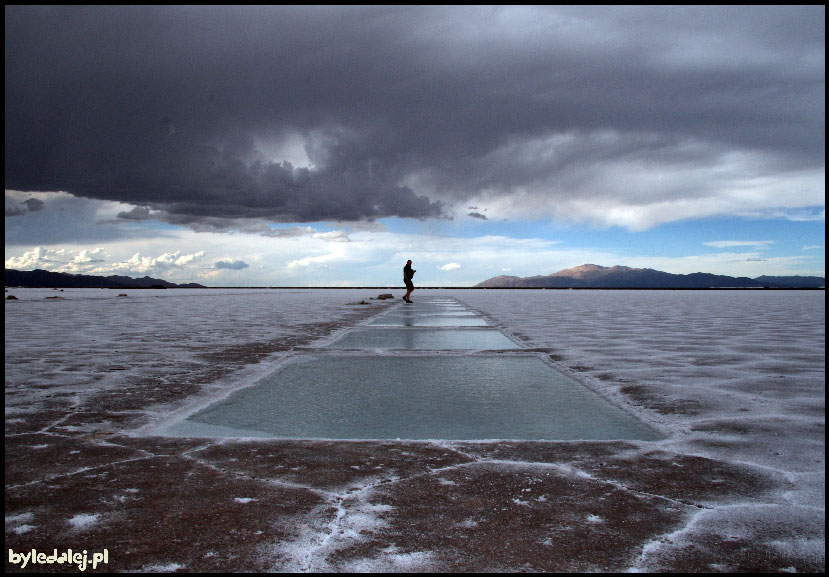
(439, 288)
(527, 288)
(585, 277)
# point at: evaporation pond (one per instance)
(403, 320)
(417, 398)
(424, 339)
(419, 311)
(432, 310)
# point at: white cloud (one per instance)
(147, 264)
(38, 258)
(332, 236)
(86, 257)
(93, 262)
(318, 261)
(58, 260)
(450, 266)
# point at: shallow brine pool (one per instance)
(424, 339)
(416, 397)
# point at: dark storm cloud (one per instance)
(34, 204)
(16, 207)
(136, 213)
(181, 109)
(61, 218)
(14, 211)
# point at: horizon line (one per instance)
(403, 288)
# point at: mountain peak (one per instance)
(591, 271)
(595, 276)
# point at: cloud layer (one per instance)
(96, 262)
(211, 116)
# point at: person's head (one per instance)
(408, 262)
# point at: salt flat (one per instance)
(735, 380)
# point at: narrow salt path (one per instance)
(433, 370)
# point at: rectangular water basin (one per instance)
(422, 312)
(430, 309)
(454, 398)
(434, 313)
(424, 339)
(404, 320)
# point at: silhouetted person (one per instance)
(408, 273)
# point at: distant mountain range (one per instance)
(595, 276)
(45, 279)
(585, 276)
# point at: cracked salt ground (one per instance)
(417, 397)
(738, 484)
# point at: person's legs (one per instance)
(409, 289)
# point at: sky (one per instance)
(325, 146)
